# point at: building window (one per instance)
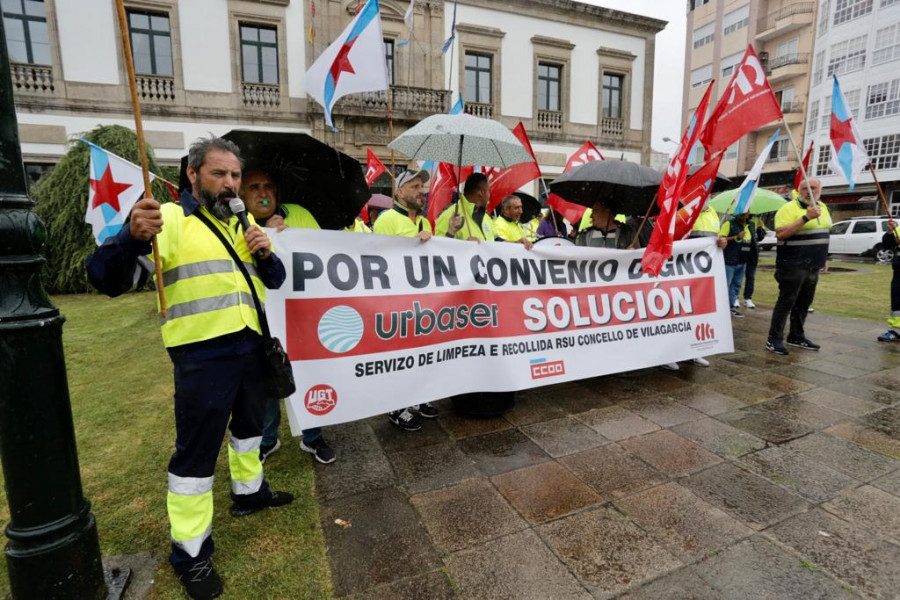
(478, 78)
(787, 50)
(819, 70)
(549, 87)
(883, 99)
(151, 43)
(884, 151)
(852, 98)
(729, 63)
(613, 90)
(887, 45)
(704, 35)
(692, 4)
(731, 152)
(823, 161)
(779, 151)
(701, 76)
(823, 17)
(847, 56)
(826, 113)
(259, 54)
(886, 3)
(847, 10)
(786, 99)
(812, 123)
(389, 59)
(736, 19)
(25, 22)
(34, 171)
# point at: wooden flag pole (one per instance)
(644, 220)
(142, 150)
(887, 209)
(390, 106)
(812, 199)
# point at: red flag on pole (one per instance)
(374, 167)
(798, 178)
(659, 249)
(695, 193)
(506, 181)
(573, 212)
(747, 103)
(444, 182)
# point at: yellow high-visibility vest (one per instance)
(509, 231)
(469, 228)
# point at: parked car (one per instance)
(860, 236)
(768, 242)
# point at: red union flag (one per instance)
(444, 182)
(506, 181)
(374, 167)
(571, 211)
(747, 103)
(798, 178)
(694, 196)
(659, 249)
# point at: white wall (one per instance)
(87, 41)
(295, 32)
(205, 45)
(517, 62)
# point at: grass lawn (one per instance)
(120, 381)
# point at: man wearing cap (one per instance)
(507, 227)
(478, 225)
(405, 219)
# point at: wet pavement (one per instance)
(758, 477)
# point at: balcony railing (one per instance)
(801, 58)
(797, 8)
(403, 99)
(261, 95)
(32, 78)
(156, 88)
(611, 127)
(477, 109)
(550, 120)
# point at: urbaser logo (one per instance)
(704, 332)
(320, 399)
(541, 368)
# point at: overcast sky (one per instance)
(669, 76)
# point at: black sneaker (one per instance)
(776, 347)
(266, 451)
(803, 343)
(201, 581)
(425, 410)
(736, 314)
(275, 500)
(320, 449)
(404, 420)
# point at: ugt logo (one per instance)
(320, 399)
(704, 332)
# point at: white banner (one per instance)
(376, 323)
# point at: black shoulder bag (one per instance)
(280, 382)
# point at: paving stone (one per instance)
(865, 391)
(752, 359)
(533, 409)
(839, 402)
(466, 514)
(611, 471)
(615, 387)
(889, 483)
(361, 467)
(670, 453)
(545, 491)
(434, 586)
(431, 467)
(756, 568)
(871, 361)
(616, 423)
(683, 584)
(662, 411)
(685, 524)
(834, 368)
(502, 451)
(607, 552)
(850, 553)
(871, 508)
(385, 541)
(765, 425)
(810, 414)
(743, 391)
(656, 381)
(798, 473)
(706, 400)
(843, 456)
(563, 436)
(459, 427)
(868, 437)
(394, 439)
(776, 384)
(579, 398)
(749, 497)
(889, 380)
(801, 373)
(513, 567)
(719, 438)
(887, 421)
(691, 373)
(721, 364)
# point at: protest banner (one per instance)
(377, 323)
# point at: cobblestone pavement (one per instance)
(758, 477)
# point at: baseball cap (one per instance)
(407, 176)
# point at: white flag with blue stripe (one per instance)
(744, 197)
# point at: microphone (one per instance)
(240, 211)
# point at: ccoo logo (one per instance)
(320, 399)
(704, 332)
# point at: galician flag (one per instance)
(353, 63)
(115, 186)
(848, 155)
(744, 197)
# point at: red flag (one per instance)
(374, 167)
(443, 183)
(571, 211)
(694, 196)
(747, 103)
(659, 249)
(798, 178)
(173, 189)
(506, 181)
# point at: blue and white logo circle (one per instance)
(340, 329)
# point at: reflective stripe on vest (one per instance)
(246, 468)
(206, 267)
(190, 507)
(205, 305)
(699, 234)
(807, 249)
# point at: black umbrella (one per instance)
(625, 187)
(530, 207)
(330, 184)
